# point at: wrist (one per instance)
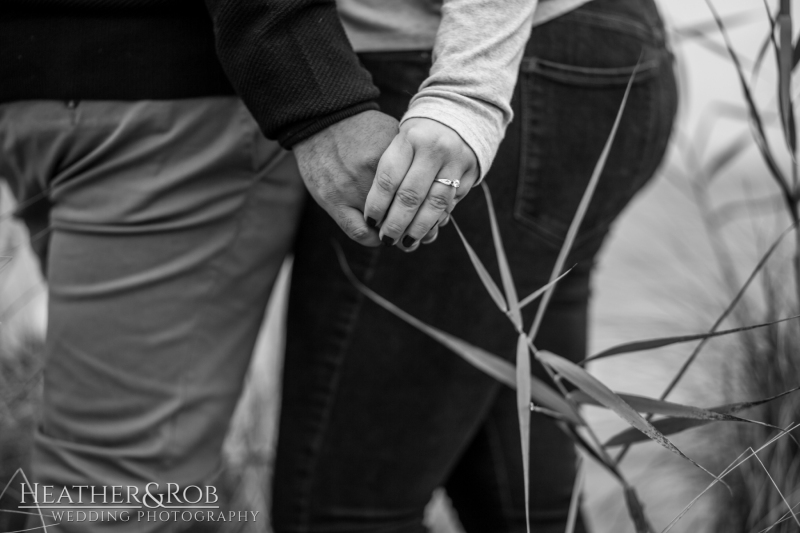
(301, 131)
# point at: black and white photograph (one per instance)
(399, 266)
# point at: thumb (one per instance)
(351, 220)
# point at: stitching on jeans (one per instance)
(525, 118)
(534, 64)
(529, 161)
(611, 21)
(336, 361)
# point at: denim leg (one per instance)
(170, 221)
(562, 88)
(375, 414)
(485, 486)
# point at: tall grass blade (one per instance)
(682, 417)
(679, 420)
(20, 302)
(523, 356)
(639, 346)
(760, 135)
(727, 155)
(667, 426)
(762, 51)
(597, 390)
(38, 513)
(671, 426)
(636, 511)
(502, 262)
(572, 232)
(776, 488)
(709, 44)
(25, 204)
(784, 518)
(574, 503)
(486, 278)
(730, 468)
(532, 297)
(591, 451)
(490, 364)
(796, 54)
(773, 22)
(706, 27)
(643, 404)
(785, 52)
(635, 508)
(524, 415)
(728, 310)
(741, 406)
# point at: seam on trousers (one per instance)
(348, 324)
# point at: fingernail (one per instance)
(371, 222)
(387, 241)
(408, 241)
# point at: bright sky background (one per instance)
(706, 76)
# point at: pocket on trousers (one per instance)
(570, 92)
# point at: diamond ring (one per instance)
(450, 183)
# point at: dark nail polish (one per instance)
(387, 241)
(371, 222)
(408, 241)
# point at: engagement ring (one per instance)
(451, 183)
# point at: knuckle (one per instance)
(422, 137)
(393, 228)
(439, 202)
(408, 198)
(419, 230)
(384, 182)
(357, 233)
(370, 163)
(353, 230)
(451, 145)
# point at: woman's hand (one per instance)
(405, 199)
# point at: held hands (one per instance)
(405, 200)
(338, 165)
(364, 158)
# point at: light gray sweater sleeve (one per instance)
(479, 46)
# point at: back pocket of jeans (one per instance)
(569, 98)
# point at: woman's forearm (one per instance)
(477, 54)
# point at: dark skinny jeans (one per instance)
(375, 414)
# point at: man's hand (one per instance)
(338, 165)
(404, 199)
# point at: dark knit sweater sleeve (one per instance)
(291, 63)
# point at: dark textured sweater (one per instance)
(289, 60)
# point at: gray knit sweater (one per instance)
(477, 47)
